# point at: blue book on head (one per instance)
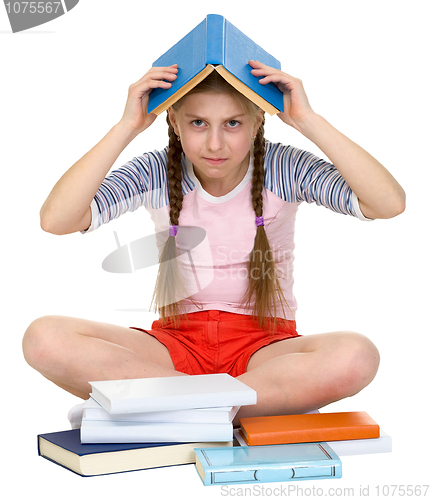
(215, 44)
(266, 464)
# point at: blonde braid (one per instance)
(175, 175)
(263, 284)
(169, 285)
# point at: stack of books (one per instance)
(145, 423)
(165, 409)
(291, 448)
(348, 433)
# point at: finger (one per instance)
(274, 79)
(269, 74)
(256, 64)
(167, 69)
(154, 84)
(157, 80)
(159, 73)
(261, 69)
(282, 80)
(162, 75)
(172, 67)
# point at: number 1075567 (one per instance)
(402, 490)
(33, 7)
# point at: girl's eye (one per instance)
(198, 123)
(232, 123)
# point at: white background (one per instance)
(365, 67)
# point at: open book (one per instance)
(216, 45)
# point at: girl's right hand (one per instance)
(136, 116)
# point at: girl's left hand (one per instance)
(296, 105)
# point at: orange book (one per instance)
(308, 428)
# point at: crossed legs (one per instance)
(305, 373)
(290, 376)
(71, 352)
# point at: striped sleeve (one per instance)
(140, 182)
(296, 175)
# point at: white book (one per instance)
(382, 444)
(172, 393)
(93, 432)
(222, 415)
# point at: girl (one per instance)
(220, 174)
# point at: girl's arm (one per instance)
(379, 194)
(67, 208)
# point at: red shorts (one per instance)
(217, 341)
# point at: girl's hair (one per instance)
(263, 283)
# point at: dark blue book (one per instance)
(216, 44)
(65, 449)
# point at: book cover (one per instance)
(308, 428)
(172, 393)
(215, 42)
(223, 415)
(94, 431)
(65, 449)
(382, 444)
(264, 464)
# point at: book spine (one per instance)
(215, 39)
(269, 475)
(312, 435)
(96, 432)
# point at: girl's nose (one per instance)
(214, 140)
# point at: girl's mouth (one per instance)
(215, 161)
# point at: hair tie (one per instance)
(173, 231)
(259, 221)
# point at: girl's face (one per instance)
(216, 137)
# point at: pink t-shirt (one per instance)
(214, 257)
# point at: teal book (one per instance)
(267, 464)
(216, 44)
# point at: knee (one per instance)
(37, 341)
(365, 358)
(360, 361)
